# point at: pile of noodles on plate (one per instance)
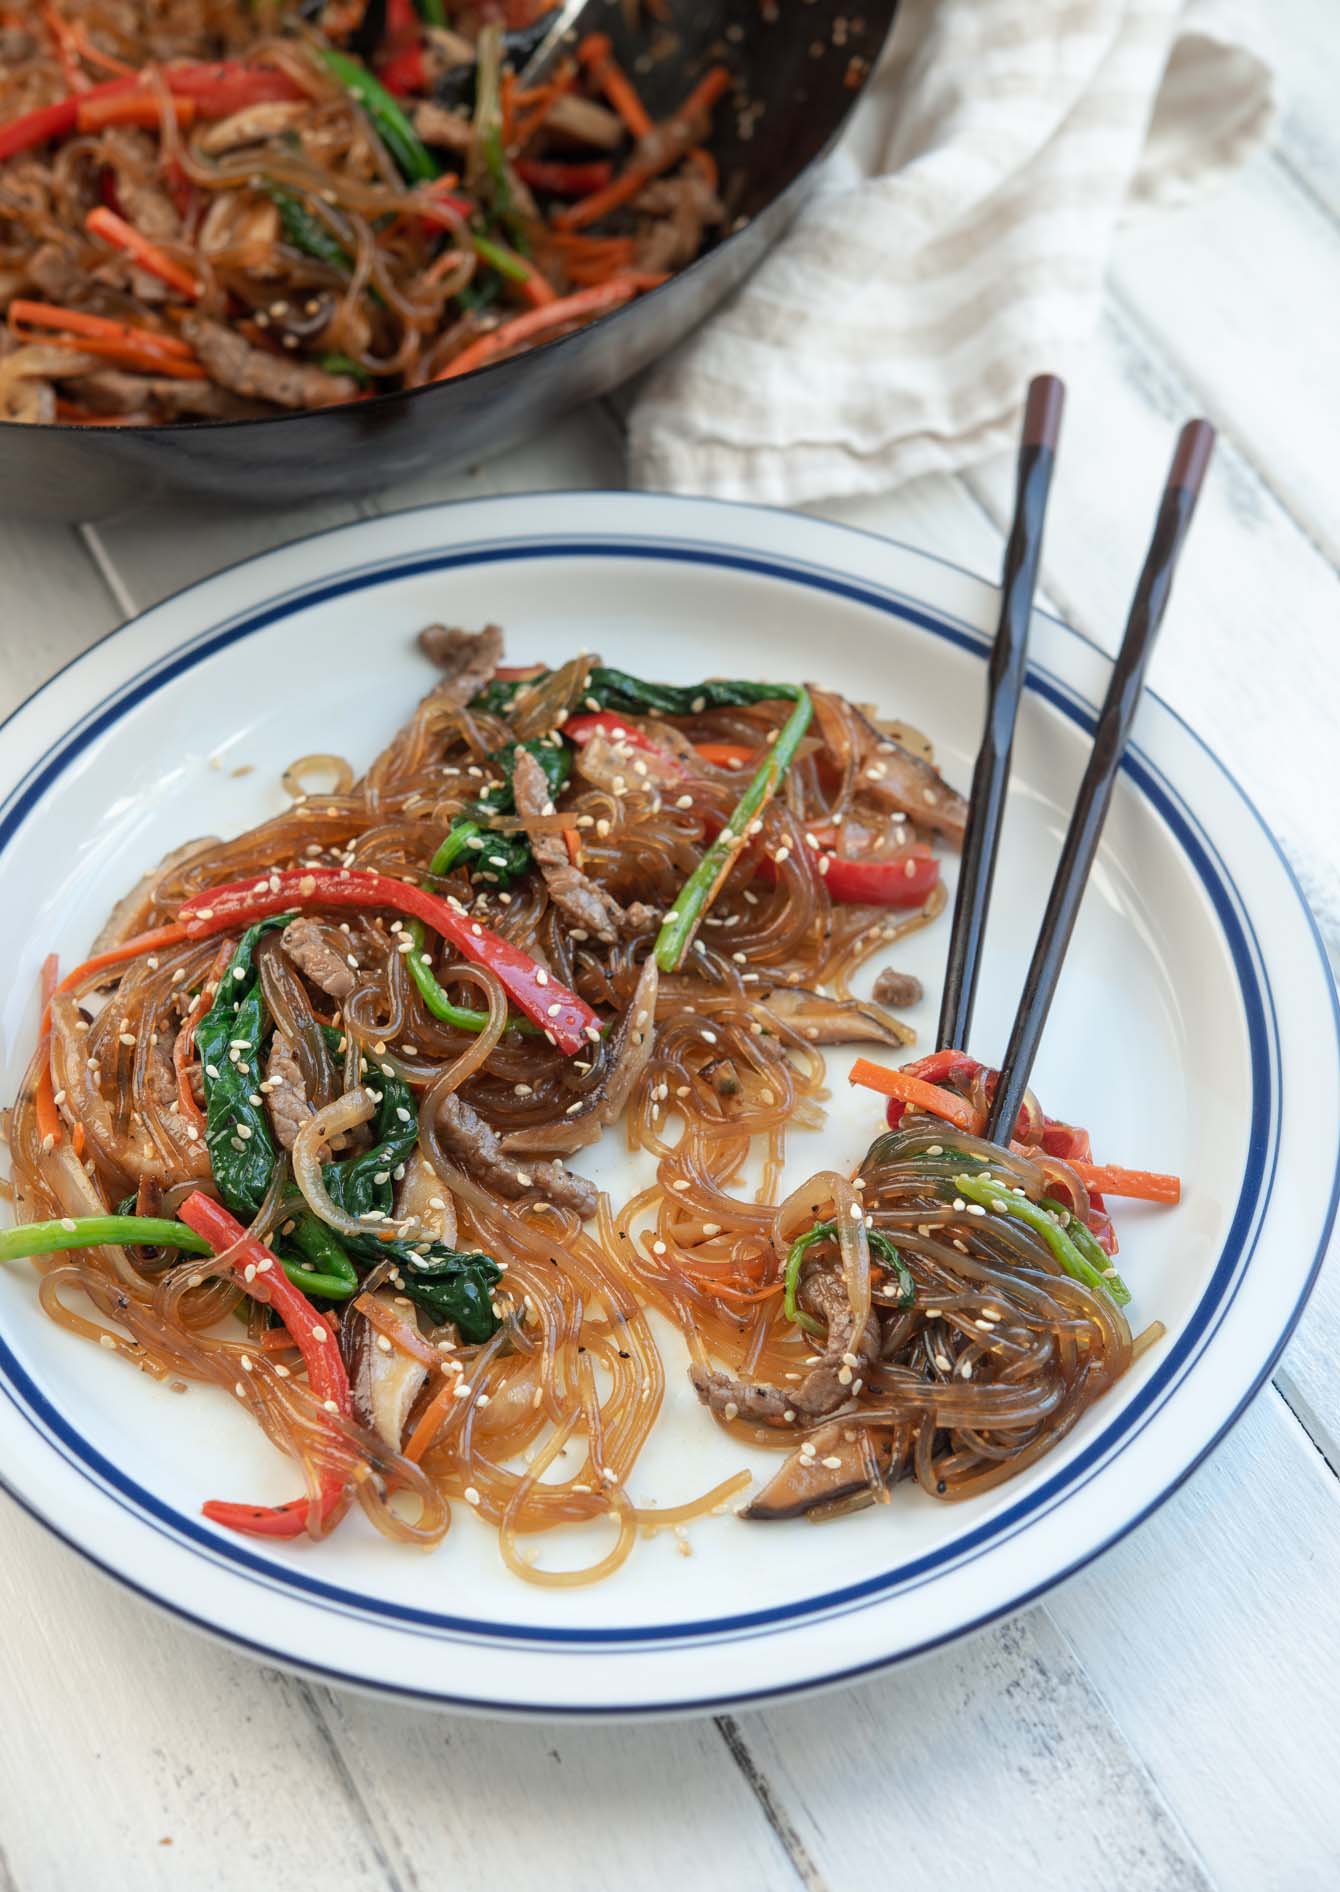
(307, 1122)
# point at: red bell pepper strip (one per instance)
(562, 179)
(560, 1014)
(314, 1338)
(218, 90)
(581, 727)
(400, 66)
(904, 879)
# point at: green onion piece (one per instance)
(695, 896)
(433, 11)
(456, 843)
(332, 1276)
(501, 259)
(345, 364)
(460, 1017)
(91, 1231)
(1079, 1232)
(993, 1194)
(822, 1231)
(390, 123)
(307, 232)
(880, 1246)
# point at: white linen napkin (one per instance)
(957, 245)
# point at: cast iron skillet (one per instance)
(802, 63)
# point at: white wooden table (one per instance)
(1167, 1719)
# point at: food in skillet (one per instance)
(223, 208)
(300, 1125)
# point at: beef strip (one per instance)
(309, 945)
(897, 988)
(112, 392)
(467, 659)
(823, 1390)
(56, 271)
(678, 209)
(476, 1144)
(577, 898)
(285, 1093)
(233, 362)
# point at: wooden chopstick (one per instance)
(1005, 683)
(1195, 444)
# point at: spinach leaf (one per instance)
(451, 1285)
(616, 690)
(228, 1044)
(503, 858)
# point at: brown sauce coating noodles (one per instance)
(983, 1365)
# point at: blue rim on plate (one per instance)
(1254, 1195)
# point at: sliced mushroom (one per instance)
(383, 1381)
(629, 1050)
(893, 777)
(829, 1021)
(830, 1466)
(423, 1198)
(247, 127)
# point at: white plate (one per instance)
(1195, 1030)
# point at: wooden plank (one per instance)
(134, 1753)
(994, 1764)
(1306, 54)
(574, 1809)
(56, 603)
(1241, 296)
(1213, 1637)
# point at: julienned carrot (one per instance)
(725, 755)
(430, 1420)
(584, 306)
(121, 235)
(136, 356)
(117, 955)
(532, 108)
(132, 108)
(642, 170)
(44, 1100)
(917, 1092)
(75, 322)
(1141, 1185)
(596, 54)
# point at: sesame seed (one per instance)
(320, 1333)
(711, 1228)
(67, 1223)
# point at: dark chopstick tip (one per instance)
(1195, 444)
(1042, 411)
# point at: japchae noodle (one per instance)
(299, 1127)
(213, 209)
